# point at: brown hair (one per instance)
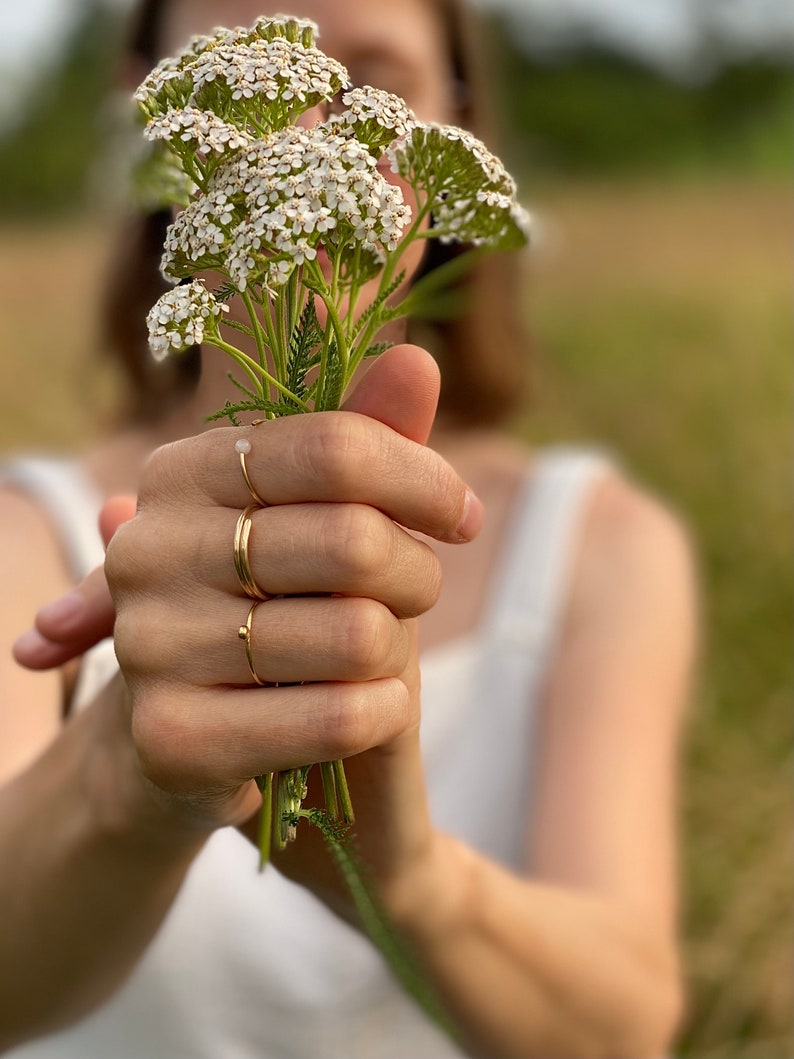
(481, 350)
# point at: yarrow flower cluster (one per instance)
(180, 318)
(305, 229)
(269, 209)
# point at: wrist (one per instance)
(121, 803)
(431, 900)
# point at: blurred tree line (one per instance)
(588, 114)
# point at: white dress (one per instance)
(250, 966)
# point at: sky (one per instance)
(663, 31)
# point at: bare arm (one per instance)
(579, 958)
(82, 891)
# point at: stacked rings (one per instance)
(242, 563)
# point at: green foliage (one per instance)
(304, 351)
(45, 160)
(594, 113)
(397, 954)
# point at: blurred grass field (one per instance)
(660, 315)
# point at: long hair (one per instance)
(481, 349)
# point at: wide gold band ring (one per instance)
(242, 563)
(244, 633)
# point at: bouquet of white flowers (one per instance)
(296, 221)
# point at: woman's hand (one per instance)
(331, 545)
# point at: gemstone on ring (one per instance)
(242, 445)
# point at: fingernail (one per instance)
(471, 520)
(30, 643)
(61, 609)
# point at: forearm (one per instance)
(85, 885)
(535, 970)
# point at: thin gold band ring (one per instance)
(242, 563)
(244, 633)
(242, 448)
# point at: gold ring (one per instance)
(244, 633)
(242, 564)
(242, 447)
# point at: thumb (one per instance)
(401, 390)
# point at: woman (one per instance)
(535, 880)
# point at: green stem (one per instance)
(255, 370)
(329, 789)
(321, 288)
(343, 791)
(362, 338)
(265, 784)
(257, 328)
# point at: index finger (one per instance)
(328, 457)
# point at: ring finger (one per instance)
(291, 641)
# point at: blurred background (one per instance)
(653, 144)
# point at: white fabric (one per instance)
(250, 966)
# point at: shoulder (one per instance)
(632, 610)
(630, 534)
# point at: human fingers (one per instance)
(291, 640)
(295, 549)
(68, 626)
(192, 741)
(328, 457)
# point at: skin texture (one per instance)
(575, 957)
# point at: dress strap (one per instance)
(68, 498)
(532, 584)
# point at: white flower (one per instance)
(294, 29)
(376, 117)
(280, 71)
(451, 158)
(241, 57)
(199, 237)
(295, 189)
(180, 317)
(209, 132)
(469, 191)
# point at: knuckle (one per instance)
(132, 641)
(433, 580)
(347, 726)
(166, 475)
(172, 749)
(119, 564)
(427, 577)
(161, 735)
(365, 637)
(358, 717)
(135, 556)
(337, 448)
(355, 543)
